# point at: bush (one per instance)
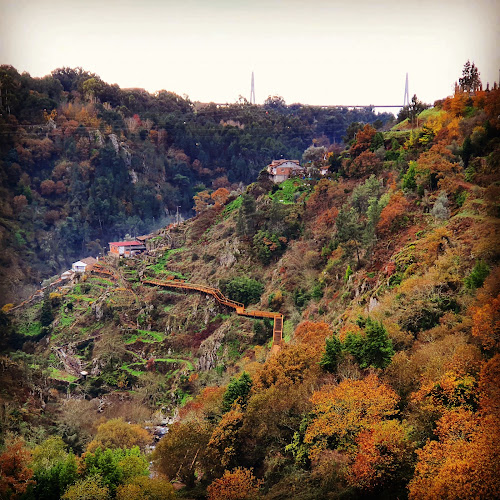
(245, 290)
(477, 276)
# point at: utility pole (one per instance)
(252, 91)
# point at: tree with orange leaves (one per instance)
(463, 463)
(392, 215)
(15, 475)
(238, 484)
(201, 201)
(384, 457)
(343, 411)
(436, 167)
(363, 140)
(220, 196)
(486, 323)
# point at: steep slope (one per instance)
(83, 162)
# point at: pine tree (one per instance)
(46, 316)
(378, 350)
(332, 354)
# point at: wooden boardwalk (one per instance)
(222, 299)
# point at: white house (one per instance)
(84, 265)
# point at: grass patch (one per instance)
(430, 113)
(231, 207)
(81, 297)
(287, 190)
(31, 329)
(144, 336)
(100, 281)
(159, 267)
(61, 375)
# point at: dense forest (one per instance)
(385, 385)
(83, 162)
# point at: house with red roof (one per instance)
(126, 248)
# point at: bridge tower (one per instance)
(252, 91)
(406, 99)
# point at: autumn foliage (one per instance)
(239, 484)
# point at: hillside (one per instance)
(385, 384)
(83, 162)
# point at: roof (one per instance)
(126, 243)
(89, 261)
(145, 237)
(79, 264)
(277, 163)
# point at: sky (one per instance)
(310, 51)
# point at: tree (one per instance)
(383, 458)
(115, 466)
(412, 110)
(182, 450)
(239, 484)
(341, 412)
(89, 488)
(409, 179)
(246, 216)
(363, 140)
(54, 469)
(349, 230)
(315, 156)
(15, 475)
(463, 462)
(116, 433)
(220, 196)
(332, 354)
(242, 289)
(470, 81)
(237, 391)
(146, 488)
(378, 350)
(46, 316)
(486, 323)
(394, 215)
(440, 209)
(477, 275)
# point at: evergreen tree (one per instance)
(378, 350)
(409, 179)
(46, 316)
(238, 391)
(332, 354)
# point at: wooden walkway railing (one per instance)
(222, 299)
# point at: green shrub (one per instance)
(242, 289)
(477, 276)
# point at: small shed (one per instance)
(84, 265)
(126, 248)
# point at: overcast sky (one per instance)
(309, 51)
